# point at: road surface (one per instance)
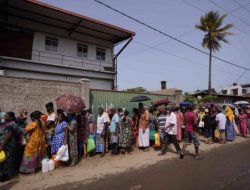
(227, 167)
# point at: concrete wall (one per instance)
(33, 94)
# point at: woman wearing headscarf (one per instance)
(72, 138)
(230, 133)
(35, 149)
(8, 145)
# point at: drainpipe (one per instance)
(115, 61)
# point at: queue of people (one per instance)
(27, 144)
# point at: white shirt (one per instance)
(51, 117)
(171, 119)
(221, 118)
(100, 123)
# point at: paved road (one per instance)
(227, 168)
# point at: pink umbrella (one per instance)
(70, 103)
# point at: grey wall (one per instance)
(33, 94)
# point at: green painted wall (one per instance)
(119, 99)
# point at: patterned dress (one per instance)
(152, 127)
(7, 166)
(126, 135)
(58, 138)
(72, 142)
(35, 149)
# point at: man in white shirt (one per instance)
(171, 130)
(221, 124)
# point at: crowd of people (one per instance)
(26, 144)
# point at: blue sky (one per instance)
(182, 67)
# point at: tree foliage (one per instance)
(137, 90)
(211, 24)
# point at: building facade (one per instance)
(236, 90)
(44, 42)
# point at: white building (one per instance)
(236, 90)
(41, 41)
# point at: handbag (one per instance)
(216, 134)
(63, 153)
(152, 135)
(157, 140)
(201, 124)
(90, 144)
(2, 156)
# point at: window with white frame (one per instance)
(82, 50)
(51, 44)
(100, 54)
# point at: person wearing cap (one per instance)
(171, 131)
(208, 132)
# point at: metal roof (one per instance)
(72, 23)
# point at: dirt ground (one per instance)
(92, 168)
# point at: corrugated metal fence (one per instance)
(119, 99)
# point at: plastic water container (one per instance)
(51, 165)
(45, 165)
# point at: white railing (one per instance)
(51, 57)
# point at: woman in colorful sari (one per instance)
(72, 138)
(8, 145)
(125, 136)
(230, 133)
(243, 123)
(35, 149)
(60, 134)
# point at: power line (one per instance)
(242, 6)
(243, 21)
(240, 76)
(203, 11)
(180, 57)
(169, 36)
(138, 52)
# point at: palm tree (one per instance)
(211, 24)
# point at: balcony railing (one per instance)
(51, 57)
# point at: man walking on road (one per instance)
(190, 135)
(171, 131)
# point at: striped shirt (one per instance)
(161, 121)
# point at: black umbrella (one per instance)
(140, 99)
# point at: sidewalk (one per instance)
(93, 168)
